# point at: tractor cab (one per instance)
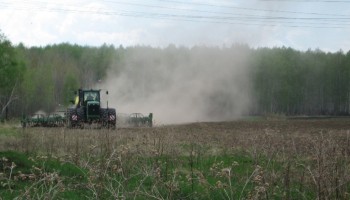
(91, 95)
(85, 97)
(89, 101)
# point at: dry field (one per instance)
(247, 159)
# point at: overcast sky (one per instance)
(300, 24)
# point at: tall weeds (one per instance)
(237, 160)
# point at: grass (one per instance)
(9, 131)
(249, 159)
(168, 174)
(20, 172)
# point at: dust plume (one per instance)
(181, 84)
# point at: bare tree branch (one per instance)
(11, 98)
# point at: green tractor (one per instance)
(87, 110)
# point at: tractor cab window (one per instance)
(91, 96)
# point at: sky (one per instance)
(300, 24)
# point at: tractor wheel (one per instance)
(71, 115)
(104, 117)
(112, 117)
(81, 117)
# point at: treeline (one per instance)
(281, 80)
(301, 83)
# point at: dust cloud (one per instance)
(179, 84)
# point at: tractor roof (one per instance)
(90, 90)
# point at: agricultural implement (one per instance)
(87, 110)
(138, 119)
(135, 120)
(41, 120)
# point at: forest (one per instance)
(255, 81)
